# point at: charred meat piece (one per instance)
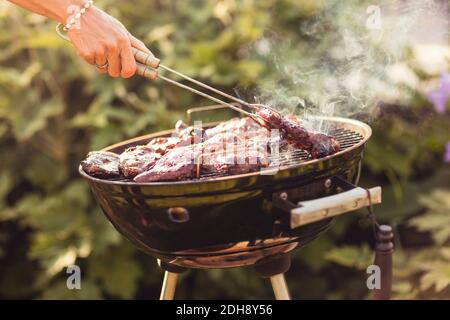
(162, 145)
(296, 133)
(179, 126)
(222, 127)
(223, 154)
(222, 142)
(184, 135)
(177, 164)
(240, 162)
(317, 144)
(249, 161)
(323, 145)
(181, 163)
(136, 160)
(266, 141)
(235, 125)
(272, 120)
(191, 135)
(238, 132)
(102, 164)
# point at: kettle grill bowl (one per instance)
(223, 221)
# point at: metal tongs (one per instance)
(147, 66)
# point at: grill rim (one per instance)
(364, 129)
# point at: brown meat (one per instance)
(236, 146)
(239, 162)
(235, 125)
(177, 164)
(222, 154)
(323, 145)
(184, 136)
(136, 160)
(190, 135)
(179, 126)
(163, 144)
(221, 142)
(102, 164)
(317, 144)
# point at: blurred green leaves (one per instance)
(436, 220)
(117, 271)
(351, 256)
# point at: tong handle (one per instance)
(146, 71)
(147, 65)
(145, 58)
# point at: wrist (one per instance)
(67, 9)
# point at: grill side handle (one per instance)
(346, 198)
(307, 212)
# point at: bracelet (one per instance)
(77, 16)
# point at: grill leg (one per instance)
(274, 268)
(168, 286)
(170, 279)
(279, 287)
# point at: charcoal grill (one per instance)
(253, 219)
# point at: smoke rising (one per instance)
(351, 58)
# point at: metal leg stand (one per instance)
(280, 288)
(170, 279)
(274, 268)
(168, 286)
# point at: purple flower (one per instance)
(445, 82)
(447, 153)
(440, 97)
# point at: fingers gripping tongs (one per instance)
(148, 65)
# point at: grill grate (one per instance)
(346, 138)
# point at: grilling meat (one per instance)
(102, 164)
(179, 126)
(239, 162)
(181, 164)
(236, 146)
(177, 164)
(190, 135)
(317, 144)
(185, 135)
(323, 145)
(223, 153)
(136, 160)
(221, 142)
(162, 145)
(240, 126)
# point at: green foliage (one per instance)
(351, 256)
(437, 218)
(54, 108)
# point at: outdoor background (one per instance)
(299, 55)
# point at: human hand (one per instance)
(103, 41)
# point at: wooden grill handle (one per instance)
(323, 208)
